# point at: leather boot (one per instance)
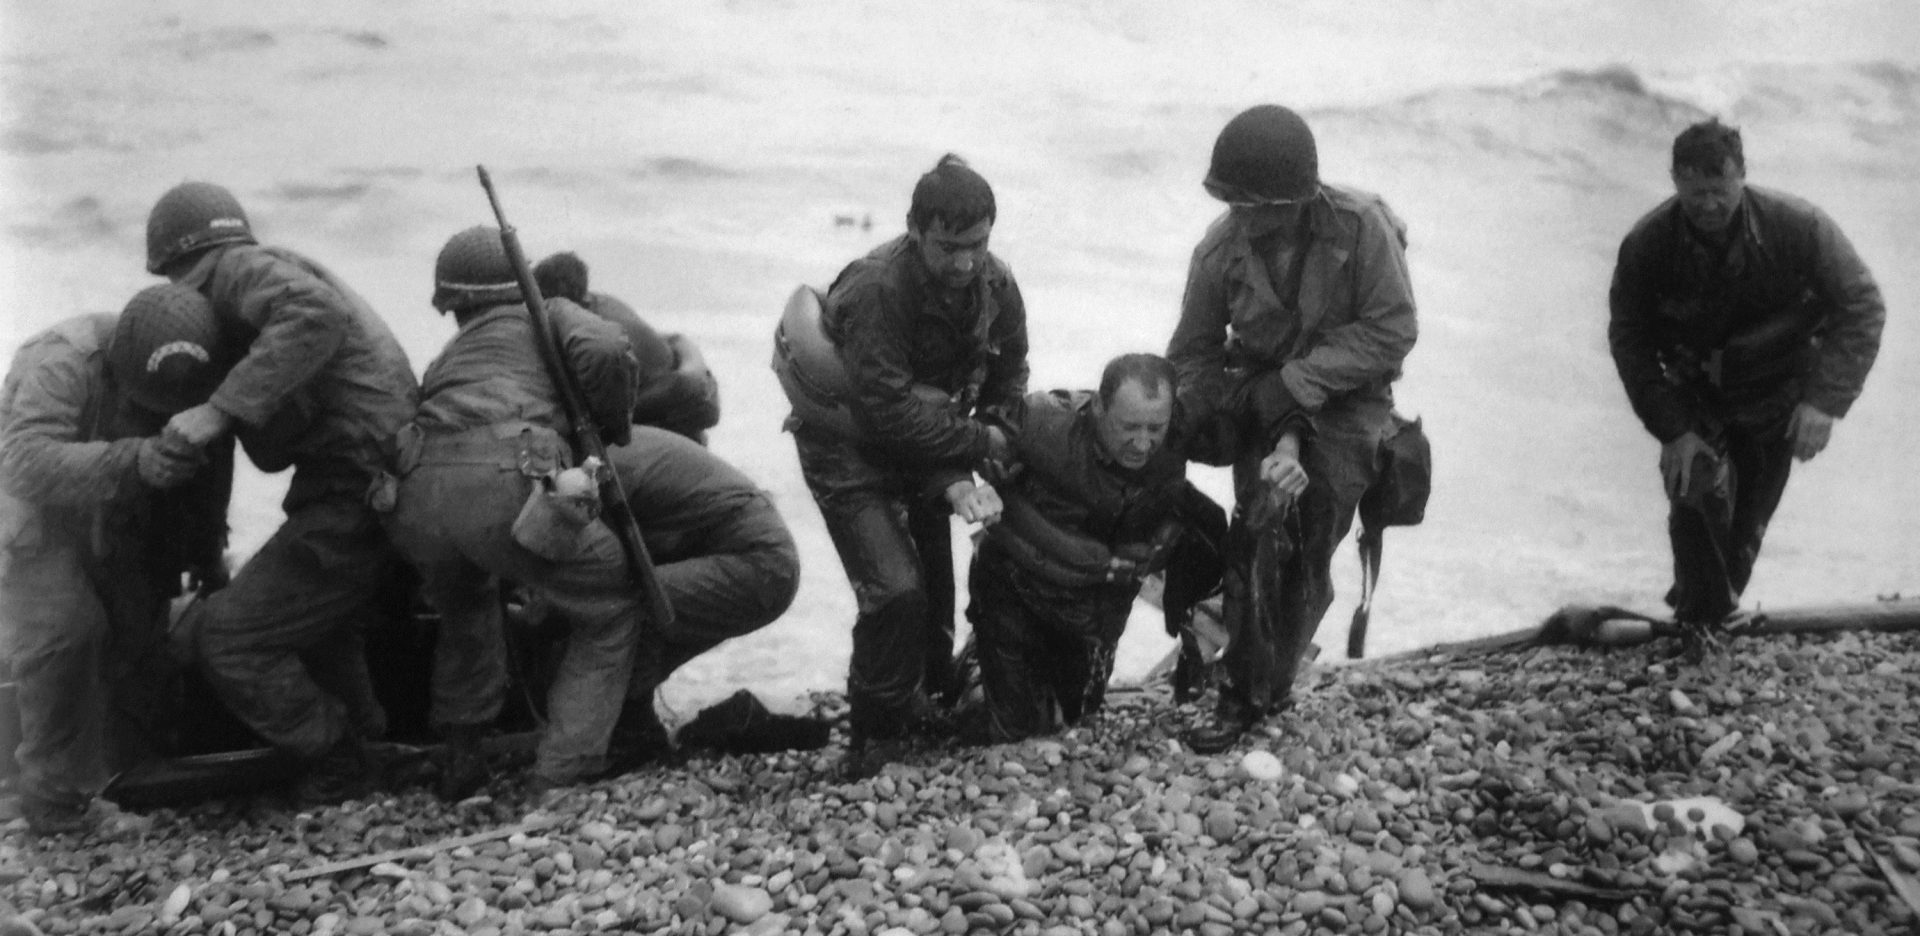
(1230, 720)
(462, 763)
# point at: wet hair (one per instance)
(563, 276)
(953, 193)
(1150, 371)
(1706, 146)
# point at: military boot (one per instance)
(343, 772)
(462, 763)
(47, 817)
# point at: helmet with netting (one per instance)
(473, 270)
(166, 349)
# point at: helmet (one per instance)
(165, 351)
(190, 216)
(473, 270)
(1266, 153)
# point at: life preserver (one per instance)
(809, 367)
(812, 375)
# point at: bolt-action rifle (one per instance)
(586, 440)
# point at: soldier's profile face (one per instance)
(1133, 427)
(1709, 200)
(953, 257)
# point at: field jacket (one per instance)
(69, 457)
(1072, 510)
(318, 381)
(885, 313)
(1786, 314)
(1345, 335)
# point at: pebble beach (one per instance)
(1544, 790)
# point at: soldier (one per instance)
(101, 514)
(721, 553)
(1297, 314)
(318, 383)
(933, 309)
(483, 450)
(1098, 501)
(1743, 326)
(677, 390)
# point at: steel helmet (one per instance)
(473, 270)
(193, 215)
(1266, 153)
(166, 349)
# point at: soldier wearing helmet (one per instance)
(1297, 314)
(932, 332)
(317, 383)
(491, 432)
(100, 515)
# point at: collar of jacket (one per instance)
(1327, 251)
(201, 272)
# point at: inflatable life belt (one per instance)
(809, 368)
(812, 375)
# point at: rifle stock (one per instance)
(585, 436)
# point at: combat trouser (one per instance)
(746, 580)
(455, 508)
(282, 645)
(1274, 598)
(1046, 651)
(895, 542)
(86, 639)
(1716, 538)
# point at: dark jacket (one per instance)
(318, 381)
(1787, 314)
(1072, 510)
(1345, 335)
(491, 373)
(68, 463)
(886, 315)
(672, 395)
(690, 502)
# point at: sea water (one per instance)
(705, 157)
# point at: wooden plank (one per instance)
(420, 851)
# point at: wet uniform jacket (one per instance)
(672, 398)
(1073, 509)
(68, 453)
(1345, 334)
(1787, 314)
(88, 557)
(488, 375)
(318, 380)
(887, 316)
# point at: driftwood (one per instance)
(1903, 883)
(1497, 877)
(419, 851)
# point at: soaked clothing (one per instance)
(489, 420)
(1296, 331)
(89, 557)
(672, 396)
(317, 383)
(1725, 342)
(883, 497)
(720, 550)
(1054, 582)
